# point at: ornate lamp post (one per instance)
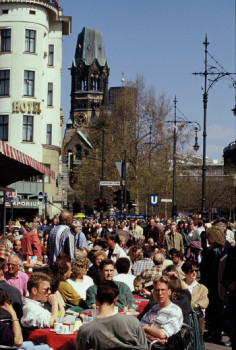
(182, 121)
(215, 75)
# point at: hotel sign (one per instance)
(26, 107)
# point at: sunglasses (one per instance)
(194, 270)
(47, 290)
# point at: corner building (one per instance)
(31, 119)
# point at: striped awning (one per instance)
(17, 165)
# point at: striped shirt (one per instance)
(169, 319)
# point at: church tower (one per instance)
(89, 91)
(89, 73)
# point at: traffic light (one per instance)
(85, 207)
(118, 199)
(104, 205)
(99, 204)
(130, 205)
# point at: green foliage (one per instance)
(137, 123)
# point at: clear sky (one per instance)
(163, 41)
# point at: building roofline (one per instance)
(55, 12)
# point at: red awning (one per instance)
(15, 165)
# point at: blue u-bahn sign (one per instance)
(153, 200)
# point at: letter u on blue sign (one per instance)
(154, 199)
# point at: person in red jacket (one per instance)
(31, 244)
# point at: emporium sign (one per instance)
(26, 107)
(28, 203)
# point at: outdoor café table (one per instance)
(140, 302)
(55, 341)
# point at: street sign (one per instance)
(12, 194)
(109, 183)
(40, 196)
(119, 167)
(153, 200)
(166, 200)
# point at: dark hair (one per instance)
(107, 291)
(130, 243)
(200, 223)
(4, 297)
(170, 268)
(63, 256)
(3, 264)
(46, 270)
(172, 251)
(112, 236)
(187, 266)
(181, 222)
(46, 232)
(123, 265)
(139, 279)
(147, 252)
(59, 268)
(222, 219)
(178, 253)
(36, 278)
(105, 262)
(175, 286)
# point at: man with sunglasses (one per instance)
(14, 276)
(35, 315)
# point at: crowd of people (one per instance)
(69, 265)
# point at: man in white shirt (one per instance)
(122, 267)
(164, 319)
(114, 251)
(34, 312)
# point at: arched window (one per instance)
(78, 154)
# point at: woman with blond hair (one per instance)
(79, 279)
(97, 257)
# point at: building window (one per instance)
(78, 154)
(4, 127)
(4, 82)
(50, 55)
(5, 40)
(5, 12)
(28, 83)
(30, 40)
(50, 93)
(28, 128)
(49, 134)
(46, 177)
(32, 12)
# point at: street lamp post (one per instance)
(174, 207)
(103, 161)
(215, 76)
(196, 148)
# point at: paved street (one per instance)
(212, 346)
